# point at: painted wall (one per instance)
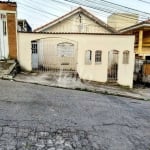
(8, 41)
(122, 20)
(50, 57)
(94, 72)
(77, 24)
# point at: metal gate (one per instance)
(54, 54)
(113, 57)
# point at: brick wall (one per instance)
(12, 39)
(11, 6)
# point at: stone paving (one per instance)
(14, 136)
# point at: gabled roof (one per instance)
(78, 10)
(140, 25)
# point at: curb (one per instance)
(84, 89)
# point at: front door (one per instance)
(34, 49)
(113, 57)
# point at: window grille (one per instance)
(34, 47)
(98, 56)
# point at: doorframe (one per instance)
(113, 65)
(34, 51)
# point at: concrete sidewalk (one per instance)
(57, 79)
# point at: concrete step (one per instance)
(6, 67)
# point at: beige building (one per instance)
(77, 21)
(122, 20)
(101, 55)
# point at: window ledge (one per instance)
(98, 63)
(88, 63)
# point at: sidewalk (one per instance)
(57, 79)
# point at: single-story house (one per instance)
(81, 42)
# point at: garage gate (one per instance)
(54, 54)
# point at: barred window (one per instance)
(34, 47)
(126, 57)
(98, 56)
(88, 57)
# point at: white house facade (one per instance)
(101, 55)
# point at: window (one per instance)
(88, 57)
(126, 57)
(4, 27)
(34, 47)
(65, 49)
(98, 56)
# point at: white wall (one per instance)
(72, 23)
(4, 50)
(94, 72)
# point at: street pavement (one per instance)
(35, 117)
(66, 80)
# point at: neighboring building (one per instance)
(24, 26)
(96, 54)
(8, 31)
(122, 20)
(142, 38)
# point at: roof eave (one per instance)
(134, 27)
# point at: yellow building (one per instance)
(142, 38)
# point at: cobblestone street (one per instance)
(42, 137)
(34, 117)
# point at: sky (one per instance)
(40, 12)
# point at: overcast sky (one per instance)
(39, 12)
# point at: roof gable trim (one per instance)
(78, 10)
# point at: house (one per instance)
(142, 38)
(23, 25)
(80, 42)
(8, 30)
